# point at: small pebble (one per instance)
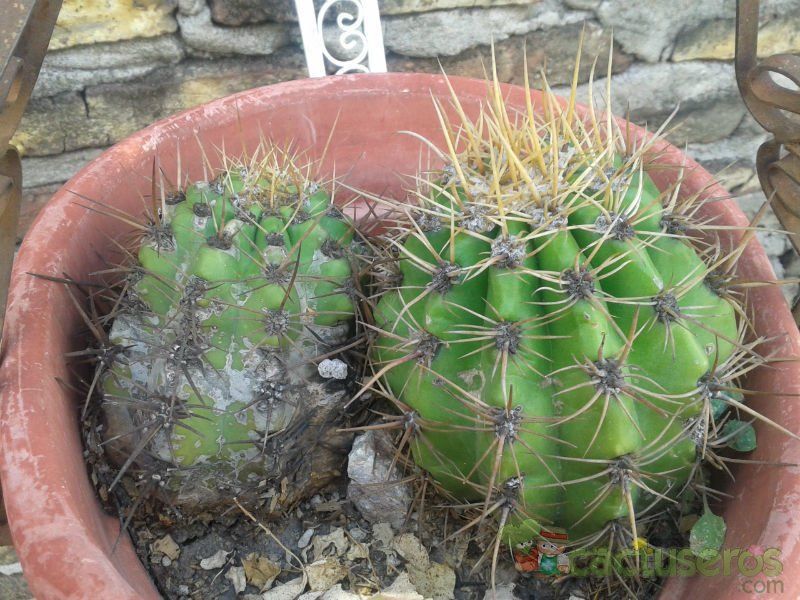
(167, 546)
(285, 591)
(332, 369)
(216, 561)
(324, 574)
(236, 576)
(502, 592)
(376, 484)
(305, 539)
(358, 534)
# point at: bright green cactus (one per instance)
(562, 337)
(223, 378)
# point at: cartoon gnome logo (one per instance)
(545, 556)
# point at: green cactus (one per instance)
(562, 336)
(242, 288)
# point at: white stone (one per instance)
(237, 578)
(305, 539)
(337, 593)
(167, 546)
(401, 589)
(382, 533)
(378, 493)
(332, 369)
(411, 549)
(333, 543)
(324, 574)
(501, 592)
(286, 591)
(215, 561)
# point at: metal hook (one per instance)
(773, 105)
(25, 30)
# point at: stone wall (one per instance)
(114, 66)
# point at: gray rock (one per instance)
(162, 49)
(108, 112)
(732, 160)
(396, 7)
(52, 125)
(749, 126)
(46, 170)
(715, 39)
(374, 487)
(56, 81)
(649, 29)
(243, 12)
(705, 92)
(552, 50)
(191, 7)
(12, 582)
(501, 592)
(791, 269)
(286, 591)
(305, 539)
(583, 4)
(714, 121)
(203, 36)
(776, 244)
(237, 578)
(448, 33)
(324, 574)
(215, 561)
(76, 68)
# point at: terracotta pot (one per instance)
(64, 539)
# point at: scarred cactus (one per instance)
(242, 287)
(563, 337)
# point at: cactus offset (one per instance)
(242, 285)
(563, 337)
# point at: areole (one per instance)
(51, 504)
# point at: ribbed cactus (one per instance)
(242, 288)
(561, 335)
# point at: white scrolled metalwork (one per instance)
(359, 35)
(350, 38)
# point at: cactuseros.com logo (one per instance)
(756, 568)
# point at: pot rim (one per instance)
(43, 549)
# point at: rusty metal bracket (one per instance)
(762, 83)
(25, 30)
